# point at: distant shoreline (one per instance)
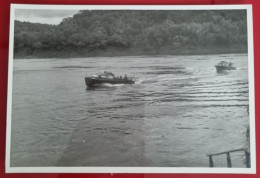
(111, 52)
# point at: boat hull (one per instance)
(224, 68)
(90, 82)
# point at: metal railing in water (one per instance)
(229, 163)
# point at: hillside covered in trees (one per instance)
(132, 32)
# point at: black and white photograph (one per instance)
(131, 89)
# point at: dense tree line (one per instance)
(143, 30)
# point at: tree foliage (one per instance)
(145, 30)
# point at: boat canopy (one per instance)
(224, 63)
(104, 75)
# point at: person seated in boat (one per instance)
(230, 64)
(125, 77)
(120, 77)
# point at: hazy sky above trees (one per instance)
(43, 15)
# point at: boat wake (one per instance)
(242, 68)
(146, 81)
(111, 85)
(163, 78)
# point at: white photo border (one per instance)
(251, 170)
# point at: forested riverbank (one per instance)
(127, 33)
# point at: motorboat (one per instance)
(224, 66)
(106, 77)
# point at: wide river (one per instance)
(178, 111)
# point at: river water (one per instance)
(178, 111)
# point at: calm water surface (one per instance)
(178, 111)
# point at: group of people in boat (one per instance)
(224, 63)
(125, 77)
(116, 77)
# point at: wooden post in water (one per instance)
(248, 164)
(229, 164)
(211, 161)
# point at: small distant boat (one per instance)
(223, 66)
(106, 77)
